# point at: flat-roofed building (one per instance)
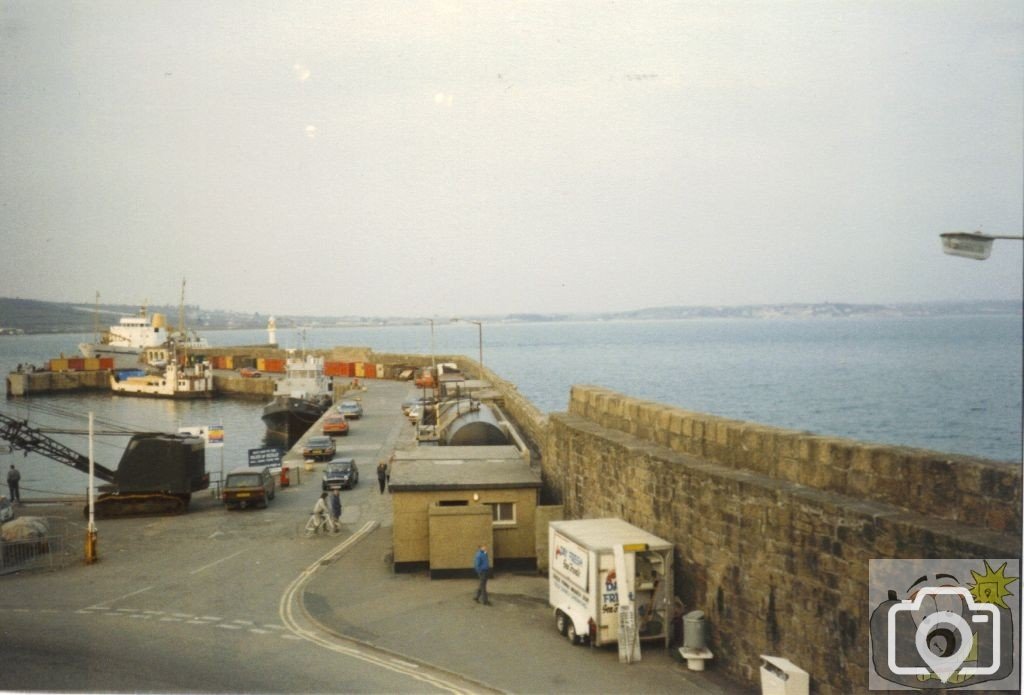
(447, 500)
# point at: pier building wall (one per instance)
(774, 529)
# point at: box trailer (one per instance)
(608, 578)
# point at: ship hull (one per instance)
(124, 357)
(288, 418)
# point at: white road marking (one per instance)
(106, 604)
(216, 562)
(337, 644)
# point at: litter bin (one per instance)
(285, 481)
(694, 630)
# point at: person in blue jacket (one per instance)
(482, 566)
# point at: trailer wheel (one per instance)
(561, 622)
(570, 632)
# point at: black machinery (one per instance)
(157, 474)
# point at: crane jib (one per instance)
(21, 436)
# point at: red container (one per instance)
(336, 369)
(106, 363)
(76, 364)
(273, 365)
(370, 370)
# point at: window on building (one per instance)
(503, 513)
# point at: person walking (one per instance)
(13, 477)
(382, 475)
(482, 566)
(335, 500)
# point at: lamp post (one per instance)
(970, 244)
(480, 340)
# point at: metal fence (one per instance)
(56, 548)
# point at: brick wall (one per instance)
(774, 529)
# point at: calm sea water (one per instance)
(949, 384)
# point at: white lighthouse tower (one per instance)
(272, 331)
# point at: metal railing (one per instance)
(54, 548)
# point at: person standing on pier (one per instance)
(13, 477)
(335, 511)
(382, 475)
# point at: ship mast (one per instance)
(96, 317)
(181, 310)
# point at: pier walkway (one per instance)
(203, 562)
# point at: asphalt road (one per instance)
(209, 601)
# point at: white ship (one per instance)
(143, 340)
(126, 341)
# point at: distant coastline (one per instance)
(29, 316)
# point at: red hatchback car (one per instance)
(335, 425)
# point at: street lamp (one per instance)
(970, 244)
(480, 340)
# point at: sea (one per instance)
(950, 384)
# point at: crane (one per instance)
(157, 473)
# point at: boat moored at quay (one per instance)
(125, 342)
(300, 398)
(193, 380)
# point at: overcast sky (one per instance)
(450, 158)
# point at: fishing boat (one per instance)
(189, 379)
(300, 398)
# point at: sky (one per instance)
(478, 158)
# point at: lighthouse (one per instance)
(272, 331)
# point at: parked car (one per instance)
(340, 473)
(319, 448)
(336, 425)
(245, 486)
(6, 510)
(249, 372)
(351, 409)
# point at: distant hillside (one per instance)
(33, 316)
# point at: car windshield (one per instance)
(318, 441)
(339, 468)
(243, 480)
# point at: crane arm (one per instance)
(21, 436)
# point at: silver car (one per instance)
(353, 410)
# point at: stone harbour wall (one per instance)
(771, 547)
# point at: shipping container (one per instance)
(106, 363)
(360, 370)
(273, 365)
(91, 364)
(76, 364)
(60, 365)
(337, 369)
(370, 370)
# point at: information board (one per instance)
(265, 456)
